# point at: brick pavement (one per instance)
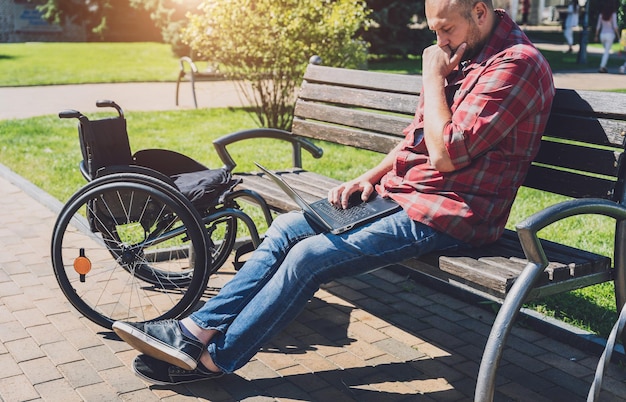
(376, 337)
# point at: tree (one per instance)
(170, 16)
(397, 27)
(268, 43)
(89, 12)
(110, 20)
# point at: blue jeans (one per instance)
(285, 271)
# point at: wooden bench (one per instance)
(580, 157)
(193, 75)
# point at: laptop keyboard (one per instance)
(347, 216)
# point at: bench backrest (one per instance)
(582, 148)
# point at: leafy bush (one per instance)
(268, 43)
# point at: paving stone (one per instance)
(40, 292)
(82, 338)
(24, 349)
(121, 380)
(18, 302)
(101, 357)
(54, 305)
(62, 352)
(398, 349)
(9, 288)
(9, 366)
(43, 334)
(347, 360)
(80, 373)
(11, 331)
(30, 317)
(142, 395)
(363, 331)
(100, 392)
(66, 321)
(58, 391)
(265, 366)
(40, 370)
(17, 388)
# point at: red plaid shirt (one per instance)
(500, 103)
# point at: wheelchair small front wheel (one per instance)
(130, 250)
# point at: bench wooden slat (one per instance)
(402, 84)
(345, 136)
(365, 98)
(584, 159)
(596, 104)
(391, 125)
(587, 130)
(565, 262)
(568, 184)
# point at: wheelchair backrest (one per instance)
(104, 143)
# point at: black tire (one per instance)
(147, 246)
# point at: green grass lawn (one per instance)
(23, 64)
(45, 149)
(78, 63)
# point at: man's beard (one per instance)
(475, 44)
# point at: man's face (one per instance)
(453, 28)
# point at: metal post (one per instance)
(584, 37)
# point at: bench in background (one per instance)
(193, 75)
(580, 157)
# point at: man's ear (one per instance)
(480, 12)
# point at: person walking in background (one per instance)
(525, 11)
(571, 21)
(607, 30)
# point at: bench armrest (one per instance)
(527, 229)
(192, 66)
(537, 262)
(297, 143)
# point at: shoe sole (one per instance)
(157, 382)
(152, 380)
(153, 347)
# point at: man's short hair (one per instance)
(466, 6)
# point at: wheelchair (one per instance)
(140, 240)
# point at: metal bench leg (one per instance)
(193, 90)
(596, 386)
(620, 268)
(485, 385)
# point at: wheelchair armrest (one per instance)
(82, 166)
(297, 143)
(116, 169)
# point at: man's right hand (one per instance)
(340, 195)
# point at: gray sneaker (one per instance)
(162, 373)
(162, 340)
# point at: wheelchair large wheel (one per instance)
(128, 247)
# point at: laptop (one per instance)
(337, 220)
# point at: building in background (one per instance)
(21, 22)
